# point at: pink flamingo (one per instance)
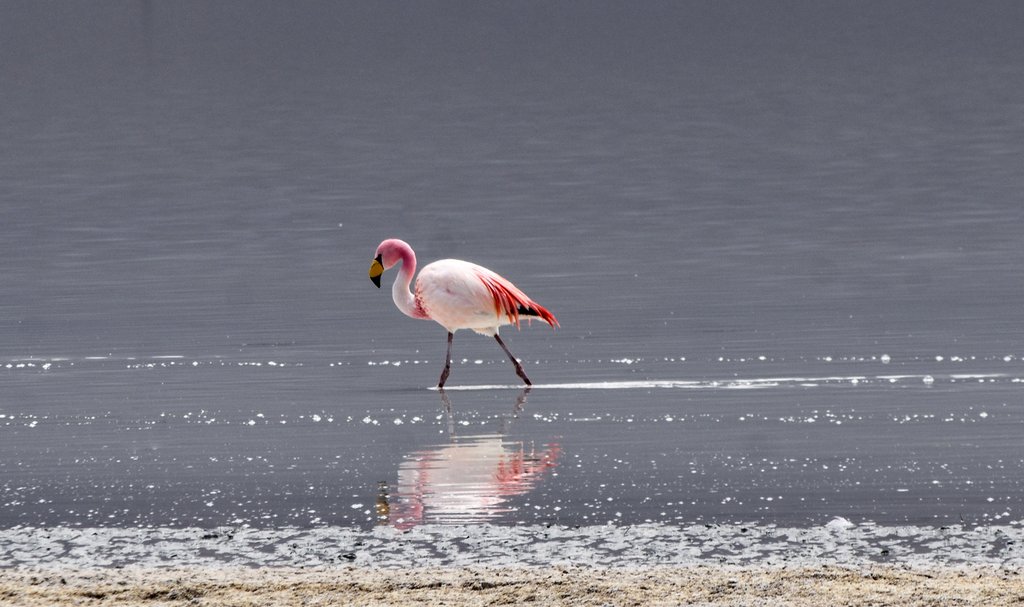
(457, 295)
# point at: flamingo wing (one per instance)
(462, 295)
(510, 301)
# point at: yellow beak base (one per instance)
(376, 269)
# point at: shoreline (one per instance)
(711, 585)
(838, 543)
(733, 565)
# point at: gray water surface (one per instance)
(784, 248)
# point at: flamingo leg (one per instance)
(447, 362)
(519, 367)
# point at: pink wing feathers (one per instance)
(512, 302)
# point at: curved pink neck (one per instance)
(400, 292)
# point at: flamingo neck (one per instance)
(400, 292)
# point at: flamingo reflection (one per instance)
(468, 480)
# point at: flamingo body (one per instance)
(457, 295)
(462, 295)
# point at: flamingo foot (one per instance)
(519, 367)
(447, 362)
(522, 374)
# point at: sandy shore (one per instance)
(838, 543)
(835, 564)
(698, 585)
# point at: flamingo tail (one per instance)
(537, 311)
(513, 303)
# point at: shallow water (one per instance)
(175, 441)
(786, 268)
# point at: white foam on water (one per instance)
(734, 383)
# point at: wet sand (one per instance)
(698, 585)
(835, 564)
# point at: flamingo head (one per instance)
(390, 252)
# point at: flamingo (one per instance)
(457, 295)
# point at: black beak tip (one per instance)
(376, 280)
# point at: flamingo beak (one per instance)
(376, 269)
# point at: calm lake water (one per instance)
(784, 251)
